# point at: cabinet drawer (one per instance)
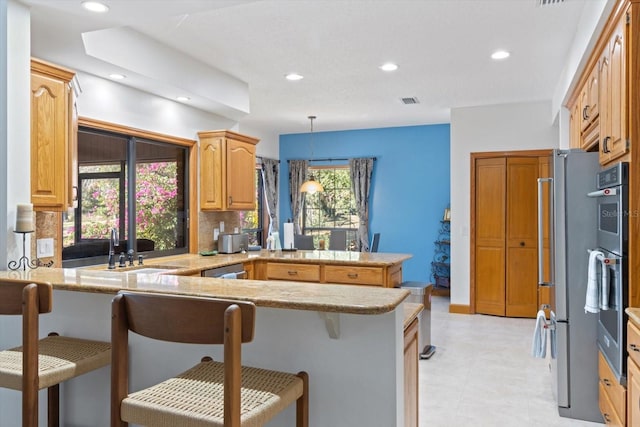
(354, 275)
(609, 414)
(295, 272)
(633, 342)
(616, 393)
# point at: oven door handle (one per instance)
(605, 192)
(541, 182)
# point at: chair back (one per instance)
(180, 319)
(303, 242)
(13, 293)
(338, 240)
(374, 242)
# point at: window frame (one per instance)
(191, 206)
(323, 233)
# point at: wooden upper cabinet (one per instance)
(589, 98)
(575, 122)
(613, 96)
(53, 137)
(227, 171)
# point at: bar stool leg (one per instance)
(53, 408)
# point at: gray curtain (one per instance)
(361, 171)
(297, 176)
(270, 171)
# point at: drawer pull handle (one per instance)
(292, 272)
(606, 382)
(634, 347)
(353, 275)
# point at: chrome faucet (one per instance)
(113, 242)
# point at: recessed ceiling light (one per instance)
(389, 66)
(183, 98)
(294, 76)
(95, 6)
(117, 76)
(500, 54)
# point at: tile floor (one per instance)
(482, 374)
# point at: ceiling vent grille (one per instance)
(542, 3)
(410, 100)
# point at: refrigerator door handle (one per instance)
(541, 183)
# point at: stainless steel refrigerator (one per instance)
(572, 231)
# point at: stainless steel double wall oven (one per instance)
(612, 237)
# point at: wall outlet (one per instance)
(216, 233)
(221, 226)
(44, 248)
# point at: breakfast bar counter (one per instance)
(348, 338)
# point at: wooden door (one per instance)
(490, 217)
(241, 166)
(521, 237)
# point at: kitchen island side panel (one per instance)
(355, 380)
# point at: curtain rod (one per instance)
(329, 159)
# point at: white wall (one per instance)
(508, 127)
(18, 143)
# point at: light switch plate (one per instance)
(44, 248)
(221, 226)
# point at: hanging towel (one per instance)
(592, 299)
(604, 283)
(539, 344)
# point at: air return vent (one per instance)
(549, 2)
(409, 101)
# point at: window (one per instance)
(332, 209)
(111, 167)
(252, 222)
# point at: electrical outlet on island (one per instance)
(44, 248)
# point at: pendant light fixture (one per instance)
(311, 185)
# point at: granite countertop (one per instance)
(276, 294)
(634, 314)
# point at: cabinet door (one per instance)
(613, 97)
(617, 131)
(241, 166)
(575, 121)
(49, 130)
(490, 208)
(211, 173)
(593, 85)
(633, 393)
(521, 237)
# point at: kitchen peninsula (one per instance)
(348, 338)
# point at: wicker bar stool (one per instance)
(42, 363)
(211, 393)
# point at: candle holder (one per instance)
(24, 261)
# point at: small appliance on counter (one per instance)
(231, 243)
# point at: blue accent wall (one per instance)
(410, 183)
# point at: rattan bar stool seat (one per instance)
(195, 398)
(59, 359)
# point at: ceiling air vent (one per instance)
(409, 101)
(549, 2)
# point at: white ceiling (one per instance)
(441, 46)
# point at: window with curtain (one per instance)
(137, 186)
(333, 209)
(253, 222)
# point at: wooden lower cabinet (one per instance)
(411, 374)
(384, 276)
(612, 394)
(633, 393)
